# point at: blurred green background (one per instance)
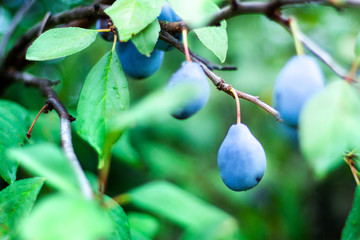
(289, 203)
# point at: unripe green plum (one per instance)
(190, 73)
(136, 65)
(297, 82)
(241, 159)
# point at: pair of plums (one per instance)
(139, 66)
(241, 158)
(135, 64)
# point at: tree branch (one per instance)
(271, 10)
(54, 102)
(17, 18)
(218, 81)
(314, 48)
(16, 57)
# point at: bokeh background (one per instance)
(289, 203)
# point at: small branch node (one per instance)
(71, 118)
(96, 7)
(219, 85)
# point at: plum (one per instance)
(190, 73)
(297, 82)
(135, 64)
(102, 23)
(241, 159)
(168, 14)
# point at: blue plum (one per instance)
(297, 82)
(168, 14)
(135, 64)
(241, 159)
(102, 23)
(190, 73)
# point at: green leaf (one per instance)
(14, 122)
(155, 107)
(177, 205)
(329, 126)
(63, 217)
(16, 201)
(125, 152)
(104, 95)
(135, 235)
(226, 230)
(144, 224)
(197, 13)
(119, 220)
(132, 16)
(214, 38)
(351, 229)
(60, 42)
(47, 160)
(145, 41)
(192, 12)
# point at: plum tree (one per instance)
(241, 159)
(132, 141)
(298, 81)
(135, 64)
(190, 73)
(102, 23)
(169, 15)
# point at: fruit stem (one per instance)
(186, 45)
(122, 199)
(354, 67)
(114, 44)
(238, 116)
(103, 30)
(28, 135)
(104, 167)
(354, 172)
(349, 160)
(295, 32)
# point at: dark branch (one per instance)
(314, 48)
(19, 15)
(43, 23)
(213, 66)
(218, 81)
(79, 16)
(54, 102)
(271, 10)
(16, 57)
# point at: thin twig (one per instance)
(54, 102)
(314, 48)
(213, 66)
(17, 18)
(43, 23)
(270, 9)
(218, 81)
(186, 46)
(16, 56)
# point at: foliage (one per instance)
(14, 121)
(163, 182)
